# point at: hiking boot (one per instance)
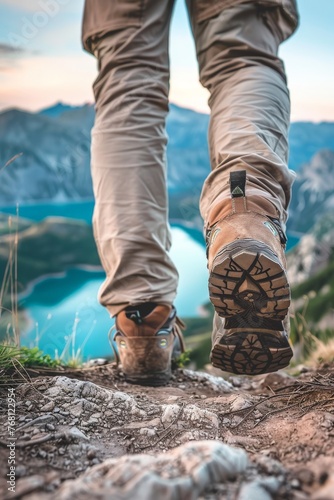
(248, 284)
(148, 337)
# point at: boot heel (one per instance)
(248, 280)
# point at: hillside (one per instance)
(50, 246)
(311, 273)
(313, 192)
(319, 289)
(314, 251)
(306, 139)
(54, 164)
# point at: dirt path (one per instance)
(88, 434)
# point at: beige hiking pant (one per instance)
(237, 43)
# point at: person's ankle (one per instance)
(144, 319)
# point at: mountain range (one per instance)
(54, 166)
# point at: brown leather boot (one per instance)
(248, 285)
(147, 340)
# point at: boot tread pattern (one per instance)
(249, 288)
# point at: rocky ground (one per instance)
(86, 434)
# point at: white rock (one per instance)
(170, 412)
(183, 473)
(238, 402)
(218, 384)
(193, 413)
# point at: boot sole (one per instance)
(249, 288)
(152, 380)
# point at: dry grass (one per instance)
(323, 354)
(9, 288)
(9, 282)
(298, 399)
(311, 346)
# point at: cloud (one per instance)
(23, 5)
(26, 7)
(9, 50)
(10, 57)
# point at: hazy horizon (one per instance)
(60, 102)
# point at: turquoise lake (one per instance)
(63, 310)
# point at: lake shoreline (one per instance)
(31, 285)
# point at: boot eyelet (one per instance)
(122, 344)
(163, 343)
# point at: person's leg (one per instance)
(237, 44)
(130, 41)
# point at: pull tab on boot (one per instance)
(238, 183)
(238, 190)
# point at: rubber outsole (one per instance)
(152, 380)
(249, 288)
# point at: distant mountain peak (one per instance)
(59, 108)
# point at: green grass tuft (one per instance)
(11, 355)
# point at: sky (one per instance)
(42, 61)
